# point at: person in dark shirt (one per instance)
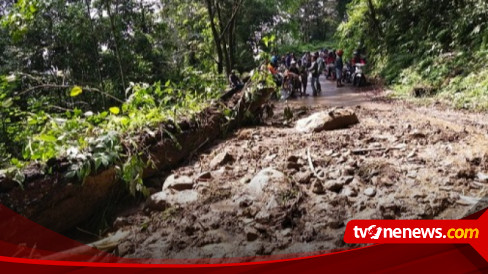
(235, 82)
(339, 65)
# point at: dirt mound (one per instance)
(287, 192)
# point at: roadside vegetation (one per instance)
(80, 81)
(428, 49)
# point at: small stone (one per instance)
(304, 177)
(348, 171)
(291, 165)
(370, 192)
(221, 159)
(348, 180)
(120, 222)
(292, 159)
(251, 234)
(286, 232)
(205, 176)
(262, 217)
(335, 224)
(334, 186)
(418, 135)
(334, 175)
(244, 202)
(412, 175)
(483, 177)
(245, 180)
(158, 201)
(318, 188)
(178, 183)
(349, 192)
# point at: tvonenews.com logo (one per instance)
(375, 232)
(473, 232)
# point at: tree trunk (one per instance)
(116, 43)
(97, 54)
(374, 19)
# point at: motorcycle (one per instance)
(358, 77)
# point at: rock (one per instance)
(205, 176)
(120, 222)
(245, 180)
(335, 224)
(251, 234)
(178, 183)
(348, 179)
(291, 165)
(158, 201)
(263, 179)
(165, 199)
(334, 175)
(318, 188)
(349, 192)
(292, 159)
(349, 171)
(262, 217)
(417, 135)
(338, 118)
(244, 201)
(334, 186)
(370, 192)
(221, 159)
(483, 177)
(286, 232)
(304, 177)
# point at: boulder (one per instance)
(165, 199)
(338, 118)
(178, 183)
(266, 178)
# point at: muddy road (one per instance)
(274, 190)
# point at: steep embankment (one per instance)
(60, 203)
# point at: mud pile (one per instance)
(277, 190)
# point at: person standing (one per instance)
(303, 78)
(339, 64)
(314, 70)
(321, 67)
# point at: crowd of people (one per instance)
(292, 72)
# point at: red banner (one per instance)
(26, 246)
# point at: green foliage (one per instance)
(439, 45)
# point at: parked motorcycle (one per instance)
(358, 77)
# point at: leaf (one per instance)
(114, 110)
(77, 90)
(46, 138)
(7, 103)
(168, 83)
